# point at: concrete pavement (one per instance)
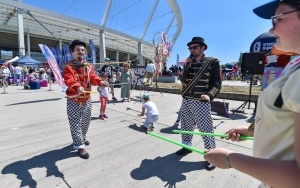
(37, 150)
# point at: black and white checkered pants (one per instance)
(79, 120)
(197, 114)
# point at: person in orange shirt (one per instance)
(79, 76)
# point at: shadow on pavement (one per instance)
(114, 101)
(138, 128)
(108, 102)
(251, 119)
(237, 116)
(168, 168)
(35, 101)
(168, 130)
(21, 168)
(136, 99)
(95, 118)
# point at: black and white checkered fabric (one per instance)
(197, 114)
(79, 120)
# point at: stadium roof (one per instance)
(68, 28)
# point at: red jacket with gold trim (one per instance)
(79, 75)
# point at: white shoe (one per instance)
(150, 128)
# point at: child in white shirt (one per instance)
(151, 112)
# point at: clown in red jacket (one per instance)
(79, 76)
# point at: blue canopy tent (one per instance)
(27, 61)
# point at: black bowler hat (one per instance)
(197, 40)
(74, 43)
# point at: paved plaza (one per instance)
(37, 147)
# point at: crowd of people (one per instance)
(231, 74)
(23, 75)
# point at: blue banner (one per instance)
(60, 58)
(86, 57)
(67, 55)
(92, 46)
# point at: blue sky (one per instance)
(228, 27)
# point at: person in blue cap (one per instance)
(276, 147)
(149, 108)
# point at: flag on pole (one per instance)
(12, 60)
(67, 55)
(60, 58)
(92, 46)
(54, 53)
(86, 57)
(53, 65)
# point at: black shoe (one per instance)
(183, 151)
(209, 166)
(83, 153)
(87, 143)
(114, 98)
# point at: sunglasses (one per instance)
(275, 17)
(194, 47)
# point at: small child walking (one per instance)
(151, 112)
(103, 95)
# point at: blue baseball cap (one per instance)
(268, 10)
(145, 96)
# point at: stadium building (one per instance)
(23, 27)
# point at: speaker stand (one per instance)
(248, 101)
(155, 85)
(142, 86)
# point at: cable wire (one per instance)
(69, 6)
(124, 9)
(145, 22)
